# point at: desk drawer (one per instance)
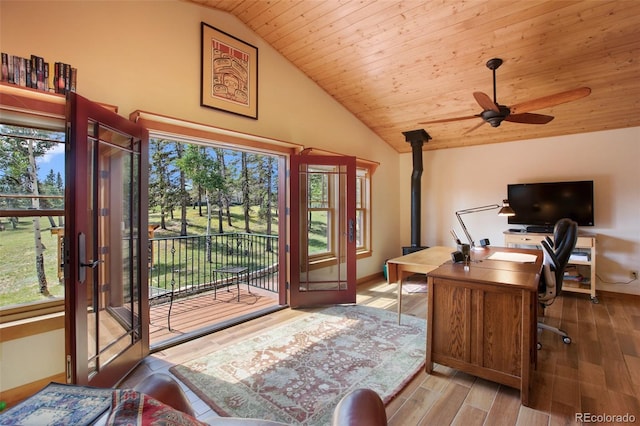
(536, 239)
(524, 239)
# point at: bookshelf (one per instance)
(580, 274)
(35, 72)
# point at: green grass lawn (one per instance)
(197, 224)
(18, 280)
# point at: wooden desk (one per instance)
(419, 262)
(483, 321)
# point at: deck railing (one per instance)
(181, 266)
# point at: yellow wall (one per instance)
(146, 55)
(22, 364)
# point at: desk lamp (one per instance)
(505, 210)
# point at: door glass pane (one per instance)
(113, 323)
(360, 226)
(323, 227)
(319, 211)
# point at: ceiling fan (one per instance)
(495, 113)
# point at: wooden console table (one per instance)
(483, 320)
(583, 258)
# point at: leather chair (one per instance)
(360, 407)
(556, 256)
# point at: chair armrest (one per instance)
(360, 407)
(165, 389)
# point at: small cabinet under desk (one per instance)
(580, 274)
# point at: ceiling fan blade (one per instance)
(485, 101)
(551, 100)
(448, 120)
(529, 118)
(474, 127)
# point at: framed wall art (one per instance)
(229, 80)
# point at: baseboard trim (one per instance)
(618, 295)
(368, 278)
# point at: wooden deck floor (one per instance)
(188, 315)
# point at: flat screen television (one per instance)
(541, 205)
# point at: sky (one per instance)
(53, 159)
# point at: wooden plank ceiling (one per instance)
(395, 64)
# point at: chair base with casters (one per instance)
(542, 326)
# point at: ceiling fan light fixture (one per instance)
(495, 118)
(494, 113)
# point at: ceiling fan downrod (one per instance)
(494, 118)
(493, 65)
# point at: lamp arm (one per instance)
(464, 229)
(473, 210)
(478, 209)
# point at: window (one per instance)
(322, 211)
(363, 211)
(31, 220)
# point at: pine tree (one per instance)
(200, 167)
(161, 171)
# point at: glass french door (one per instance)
(107, 327)
(323, 233)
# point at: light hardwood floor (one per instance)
(598, 373)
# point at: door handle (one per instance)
(91, 264)
(352, 232)
(82, 258)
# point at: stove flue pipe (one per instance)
(416, 138)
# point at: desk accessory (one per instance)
(457, 257)
(505, 210)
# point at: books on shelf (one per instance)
(36, 73)
(571, 273)
(579, 256)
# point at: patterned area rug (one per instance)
(60, 404)
(297, 373)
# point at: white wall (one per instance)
(460, 178)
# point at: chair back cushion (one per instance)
(565, 236)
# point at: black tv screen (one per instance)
(543, 204)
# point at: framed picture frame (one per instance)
(229, 78)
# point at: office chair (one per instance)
(556, 256)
